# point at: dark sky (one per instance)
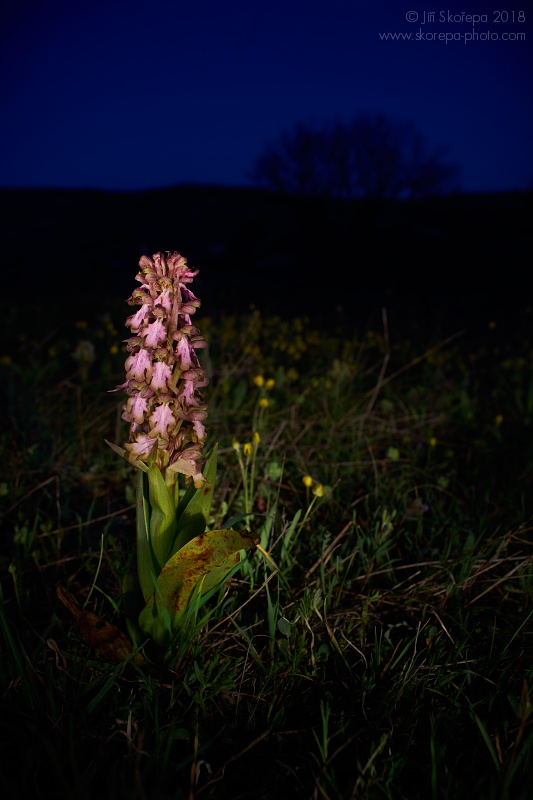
(124, 94)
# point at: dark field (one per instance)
(380, 360)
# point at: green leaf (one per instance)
(133, 601)
(194, 508)
(146, 566)
(124, 454)
(162, 518)
(202, 563)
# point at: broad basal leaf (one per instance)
(204, 562)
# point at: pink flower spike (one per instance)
(165, 408)
(161, 374)
(138, 365)
(155, 333)
(160, 420)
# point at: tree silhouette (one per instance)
(369, 157)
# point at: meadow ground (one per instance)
(383, 649)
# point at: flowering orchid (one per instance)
(166, 410)
(163, 373)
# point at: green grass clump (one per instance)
(378, 644)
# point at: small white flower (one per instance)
(155, 333)
(161, 374)
(161, 420)
(135, 409)
(139, 365)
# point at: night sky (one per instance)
(124, 94)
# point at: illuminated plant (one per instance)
(177, 557)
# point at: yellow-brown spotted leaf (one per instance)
(204, 562)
